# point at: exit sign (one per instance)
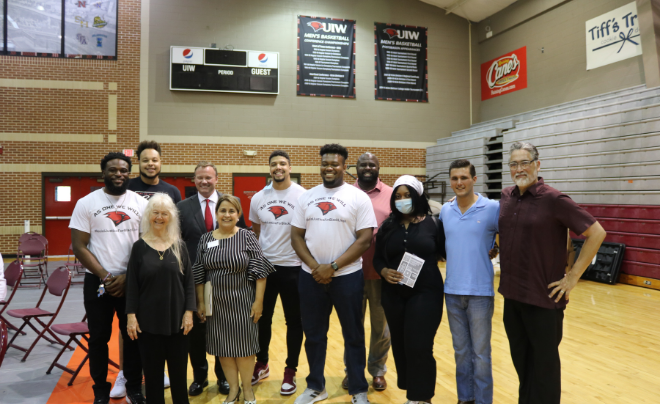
(128, 152)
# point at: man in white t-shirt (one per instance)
(104, 226)
(332, 227)
(271, 212)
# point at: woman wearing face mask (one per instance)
(413, 313)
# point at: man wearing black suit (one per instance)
(197, 215)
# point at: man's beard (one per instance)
(368, 180)
(524, 181)
(151, 177)
(113, 189)
(279, 180)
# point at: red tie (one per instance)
(208, 217)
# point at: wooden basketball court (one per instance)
(610, 354)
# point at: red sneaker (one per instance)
(289, 383)
(261, 371)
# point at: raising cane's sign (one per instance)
(504, 74)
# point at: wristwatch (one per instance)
(334, 266)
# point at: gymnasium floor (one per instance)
(610, 354)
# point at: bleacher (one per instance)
(603, 151)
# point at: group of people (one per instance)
(186, 278)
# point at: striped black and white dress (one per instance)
(232, 266)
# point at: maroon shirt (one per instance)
(533, 236)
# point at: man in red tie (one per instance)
(197, 216)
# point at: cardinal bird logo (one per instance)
(278, 211)
(326, 207)
(316, 26)
(117, 217)
(392, 33)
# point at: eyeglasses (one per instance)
(524, 164)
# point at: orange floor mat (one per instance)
(81, 390)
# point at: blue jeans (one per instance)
(316, 302)
(470, 322)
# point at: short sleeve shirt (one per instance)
(273, 210)
(332, 217)
(380, 201)
(113, 223)
(147, 191)
(469, 237)
(533, 237)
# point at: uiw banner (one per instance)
(613, 37)
(504, 74)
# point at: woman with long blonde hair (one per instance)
(160, 299)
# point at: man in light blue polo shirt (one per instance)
(470, 223)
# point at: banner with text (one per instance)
(613, 37)
(326, 57)
(504, 74)
(401, 63)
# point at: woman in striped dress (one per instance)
(231, 259)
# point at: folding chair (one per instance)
(13, 275)
(26, 236)
(73, 330)
(44, 241)
(74, 265)
(3, 340)
(58, 285)
(32, 255)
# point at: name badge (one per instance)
(213, 244)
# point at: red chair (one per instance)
(13, 275)
(58, 285)
(73, 330)
(74, 265)
(32, 256)
(26, 236)
(3, 341)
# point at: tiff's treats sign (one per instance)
(504, 74)
(613, 37)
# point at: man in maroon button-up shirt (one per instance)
(534, 219)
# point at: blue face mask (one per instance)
(404, 205)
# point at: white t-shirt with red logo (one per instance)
(331, 218)
(113, 223)
(273, 210)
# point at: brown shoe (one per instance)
(344, 383)
(379, 383)
(466, 402)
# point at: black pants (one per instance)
(413, 323)
(284, 281)
(155, 350)
(197, 349)
(534, 335)
(100, 313)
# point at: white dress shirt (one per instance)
(213, 202)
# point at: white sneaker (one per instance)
(119, 389)
(166, 381)
(310, 396)
(360, 398)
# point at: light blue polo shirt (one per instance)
(469, 237)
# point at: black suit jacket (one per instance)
(192, 223)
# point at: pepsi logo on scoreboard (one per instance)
(187, 55)
(259, 59)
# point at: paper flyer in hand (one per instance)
(410, 267)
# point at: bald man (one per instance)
(368, 181)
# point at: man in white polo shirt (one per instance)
(332, 227)
(271, 212)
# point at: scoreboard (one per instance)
(222, 70)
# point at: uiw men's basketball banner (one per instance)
(613, 37)
(401, 63)
(326, 57)
(504, 74)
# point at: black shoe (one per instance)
(197, 388)
(135, 398)
(102, 400)
(223, 387)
